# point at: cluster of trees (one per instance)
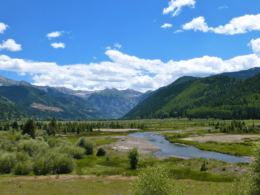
(238, 127)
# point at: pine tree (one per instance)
(29, 128)
(53, 126)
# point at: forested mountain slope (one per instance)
(72, 107)
(160, 98)
(114, 103)
(11, 110)
(216, 97)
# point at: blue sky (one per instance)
(97, 44)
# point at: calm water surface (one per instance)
(168, 148)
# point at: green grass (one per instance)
(106, 141)
(97, 186)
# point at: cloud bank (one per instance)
(237, 25)
(125, 71)
(176, 5)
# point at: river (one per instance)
(168, 148)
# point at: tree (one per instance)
(29, 128)
(15, 125)
(78, 130)
(53, 126)
(155, 181)
(133, 156)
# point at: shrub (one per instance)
(107, 159)
(7, 162)
(101, 152)
(23, 168)
(63, 164)
(33, 147)
(155, 181)
(88, 145)
(53, 162)
(224, 169)
(52, 141)
(133, 157)
(78, 152)
(42, 165)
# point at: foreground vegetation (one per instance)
(77, 153)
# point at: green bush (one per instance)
(88, 145)
(33, 147)
(101, 152)
(53, 162)
(63, 164)
(107, 159)
(155, 181)
(133, 157)
(52, 141)
(7, 162)
(78, 152)
(23, 168)
(42, 165)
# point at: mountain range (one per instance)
(44, 101)
(217, 96)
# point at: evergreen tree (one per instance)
(29, 128)
(53, 126)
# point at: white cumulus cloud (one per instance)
(58, 45)
(108, 48)
(176, 5)
(55, 34)
(124, 71)
(237, 25)
(166, 25)
(178, 31)
(255, 44)
(118, 45)
(10, 45)
(3, 27)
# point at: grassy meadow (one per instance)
(112, 174)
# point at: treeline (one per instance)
(60, 127)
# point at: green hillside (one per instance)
(11, 110)
(148, 107)
(71, 106)
(215, 97)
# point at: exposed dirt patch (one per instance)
(222, 138)
(43, 107)
(126, 143)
